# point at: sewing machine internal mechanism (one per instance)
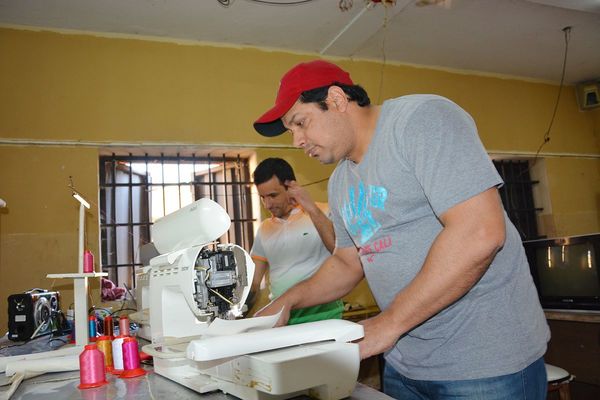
(194, 290)
(217, 280)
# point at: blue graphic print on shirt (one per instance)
(357, 214)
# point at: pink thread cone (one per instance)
(91, 368)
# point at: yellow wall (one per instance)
(574, 188)
(101, 92)
(39, 226)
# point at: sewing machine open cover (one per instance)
(195, 292)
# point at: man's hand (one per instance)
(379, 336)
(299, 196)
(273, 308)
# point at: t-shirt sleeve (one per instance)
(342, 238)
(441, 145)
(258, 250)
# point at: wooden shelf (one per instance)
(576, 316)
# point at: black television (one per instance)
(565, 271)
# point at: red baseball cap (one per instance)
(303, 77)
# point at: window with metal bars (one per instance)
(137, 190)
(517, 196)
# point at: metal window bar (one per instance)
(179, 179)
(113, 200)
(517, 196)
(162, 169)
(237, 232)
(148, 190)
(137, 188)
(241, 194)
(225, 193)
(210, 188)
(130, 217)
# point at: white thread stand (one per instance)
(80, 281)
(67, 357)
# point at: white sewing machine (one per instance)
(196, 289)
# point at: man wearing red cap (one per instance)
(416, 212)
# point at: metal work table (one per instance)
(63, 385)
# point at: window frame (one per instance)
(517, 195)
(227, 180)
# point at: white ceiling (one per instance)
(521, 38)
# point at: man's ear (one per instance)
(336, 98)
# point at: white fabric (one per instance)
(67, 350)
(58, 364)
(14, 382)
(292, 247)
(223, 327)
(24, 369)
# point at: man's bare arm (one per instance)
(260, 268)
(338, 275)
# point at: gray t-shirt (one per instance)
(426, 157)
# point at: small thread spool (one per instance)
(123, 326)
(117, 354)
(91, 368)
(109, 327)
(88, 261)
(131, 359)
(104, 344)
(92, 327)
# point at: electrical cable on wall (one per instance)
(567, 33)
(345, 5)
(315, 182)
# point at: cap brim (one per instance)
(269, 124)
(270, 129)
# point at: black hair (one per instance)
(318, 95)
(273, 167)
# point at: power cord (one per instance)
(315, 182)
(567, 33)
